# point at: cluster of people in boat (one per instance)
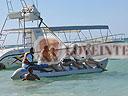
(47, 55)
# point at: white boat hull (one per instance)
(19, 73)
(7, 56)
(69, 72)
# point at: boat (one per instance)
(17, 50)
(8, 53)
(102, 63)
(29, 36)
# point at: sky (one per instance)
(113, 13)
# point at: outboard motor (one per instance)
(19, 74)
(2, 66)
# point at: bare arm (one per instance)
(37, 77)
(23, 79)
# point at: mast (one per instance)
(28, 13)
(24, 34)
(9, 6)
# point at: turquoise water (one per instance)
(113, 82)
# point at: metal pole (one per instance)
(3, 25)
(101, 35)
(24, 34)
(54, 34)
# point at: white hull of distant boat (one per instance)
(7, 56)
(19, 73)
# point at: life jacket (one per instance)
(25, 60)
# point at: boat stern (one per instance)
(18, 74)
(103, 62)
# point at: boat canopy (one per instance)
(64, 28)
(79, 27)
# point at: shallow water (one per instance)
(110, 83)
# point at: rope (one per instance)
(53, 33)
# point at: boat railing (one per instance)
(110, 38)
(107, 39)
(2, 40)
(103, 39)
(4, 46)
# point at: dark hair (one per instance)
(32, 50)
(46, 47)
(30, 69)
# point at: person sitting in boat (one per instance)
(88, 52)
(69, 60)
(89, 60)
(28, 58)
(53, 54)
(46, 54)
(75, 53)
(30, 75)
(45, 58)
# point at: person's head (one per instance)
(67, 48)
(52, 49)
(75, 47)
(88, 45)
(32, 50)
(30, 70)
(46, 48)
